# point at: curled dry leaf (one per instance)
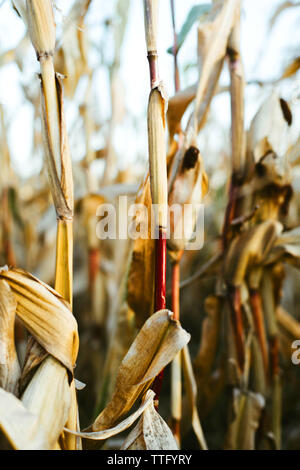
(189, 188)
(249, 250)
(45, 314)
(177, 107)
(151, 432)
(20, 426)
(126, 423)
(156, 344)
(9, 364)
(269, 128)
(286, 248)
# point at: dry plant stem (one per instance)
(64, 260)
(160, 294)
(175, 50)
(160, 270)
(230, 213)
(237, 127)
(237, 324)
(274, 356)
(176, 388)
(93, 263)
(51, 102)
(8, 250)
(255, 300)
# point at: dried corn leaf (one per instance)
(151, 432)
(286, 248)
(45, 314)
(206, 354)
(269, 127)
(189, 188)
(288, 322)
(141, 270)
(71, 58)
(191, 389)
(34, 356)
(212, 39)
(247, 409)
(292, 68)
(155, 346)
(21, 427)
(9, 365)
(176, 108)
(249, 251)
(125, 424)
(48, 396)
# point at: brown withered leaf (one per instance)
(150, 433)
(45, 314)
(205, 357)
(9, 364)
(249, 251)
(34, 356)
(126, 423)
(286, 248)
(141, 269)
(189, 188)
(156, 344)
(269, 127)
(177, 107)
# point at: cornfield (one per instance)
(126, 324)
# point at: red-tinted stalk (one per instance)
(160, 294)
(237, 324)
(256, 305)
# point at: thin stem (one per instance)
(175, 49)
(176, 385)
(237, 324)
(255, 300)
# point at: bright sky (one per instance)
(264, 57)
